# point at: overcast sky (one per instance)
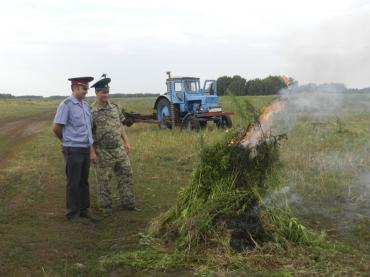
(44, 42)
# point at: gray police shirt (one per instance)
(76, 120)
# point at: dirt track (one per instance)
(26, 127)
(18, 131)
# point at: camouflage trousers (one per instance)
(115, 161)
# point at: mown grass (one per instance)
(36, 238)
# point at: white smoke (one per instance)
(318, 107)
(330, 185)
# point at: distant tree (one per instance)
(6, 96)
(274, 84)
(332, 88)
(293, 83)
(266, 86)
(356, 90)
(133, 95)
(237, 85)
(57, 97)
(29, 97)
(254, 87)
(222, 84)
(323, 88)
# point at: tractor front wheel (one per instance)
(225, 122)
(192, 123)
(203, 124)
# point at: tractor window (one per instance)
(178, 87)
(209, 88)
(191, 86)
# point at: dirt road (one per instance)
(17, 131)
(23, 128)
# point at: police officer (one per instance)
(108, 134)
(72, 125)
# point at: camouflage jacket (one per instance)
(107, 125)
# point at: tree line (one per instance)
(6, 96)
(329, 88)
(238, 85)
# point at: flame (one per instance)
(286, 80)
(257, 130)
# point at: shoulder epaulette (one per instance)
(67, 101)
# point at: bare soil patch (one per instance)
(18, 131)
(25, 127)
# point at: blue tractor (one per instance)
(187, 105)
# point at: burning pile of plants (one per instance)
(227, 202)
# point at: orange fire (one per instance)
(285, 80)
(257, 130)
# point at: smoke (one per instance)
(326, 158)
(340, 215)
(318, 106)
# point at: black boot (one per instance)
(88, 215)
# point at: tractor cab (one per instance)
(188, 93)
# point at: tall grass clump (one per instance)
(225, 202)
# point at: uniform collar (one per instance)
(75, 100)
(101, 107)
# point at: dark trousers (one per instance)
(77, 171)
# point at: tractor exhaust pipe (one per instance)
(172, 107)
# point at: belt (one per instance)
(75, 149)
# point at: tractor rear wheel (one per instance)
(225, 122)
(163, 113)
(192, 123)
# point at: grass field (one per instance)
(13, 109)
(325, 163)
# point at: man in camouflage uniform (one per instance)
(108, 133)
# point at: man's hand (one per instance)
(58, 130)
(124, 137)
(93, 157)
(127, 147)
